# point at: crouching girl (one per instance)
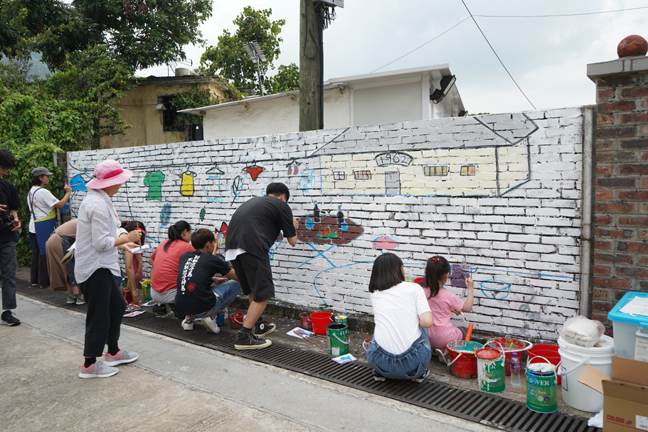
(400, 348)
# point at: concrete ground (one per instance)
(175, 386)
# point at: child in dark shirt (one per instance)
(199, 293)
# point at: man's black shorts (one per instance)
(255, 276)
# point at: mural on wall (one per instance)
(154, 182)
(187, 186)
(254, 170)
(374, 180)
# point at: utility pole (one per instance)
(311, 67)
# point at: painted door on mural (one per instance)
(392, 183)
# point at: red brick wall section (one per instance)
(621, 191)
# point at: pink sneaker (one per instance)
(122, 357)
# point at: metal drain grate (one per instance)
(478, 407)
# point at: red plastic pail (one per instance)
(320, 320)
(463, 363)
(236, 320)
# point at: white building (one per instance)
(388, 97)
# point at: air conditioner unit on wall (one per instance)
(334, 3)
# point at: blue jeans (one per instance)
(408, 365)
(225, 294)
(8, 264)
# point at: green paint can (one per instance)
(338, 339)
(340, 319)
(542, 386)
(491, 374)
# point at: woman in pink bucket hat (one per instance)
(97, 267)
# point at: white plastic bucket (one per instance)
(574, 360)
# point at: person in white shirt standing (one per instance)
(42, 222)
(400, 348)
(97, 266)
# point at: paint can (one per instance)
(338, 339)
(305, 322)
(542, 386)
(463, 363)
(146, 290)
(341, 319)
(490, 370)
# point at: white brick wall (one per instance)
(521, 242)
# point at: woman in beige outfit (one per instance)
(62, 275)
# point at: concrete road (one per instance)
(175, 386)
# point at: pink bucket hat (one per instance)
(109, 173)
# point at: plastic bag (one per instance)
(582, 331)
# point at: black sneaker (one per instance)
(378, 377)
(420, 380)
(8, 319)
(262, 328)
(248, 341)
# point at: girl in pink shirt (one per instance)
(443, 304)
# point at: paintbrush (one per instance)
(305, 338)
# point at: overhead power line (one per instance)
(422, 45)
(560, 15)
(498, 58)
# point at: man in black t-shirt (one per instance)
(254, 228)
(200, 294)
(9, 204)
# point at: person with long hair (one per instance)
(133, 261)
(443, 304)
(164, 266)
(400, 348)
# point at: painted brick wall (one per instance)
(498, 195)
(621, 209)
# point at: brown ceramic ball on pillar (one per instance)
(633, 45)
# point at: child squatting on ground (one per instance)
(443, 304)
(400, 348)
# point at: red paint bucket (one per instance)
(463, 363)
(509, 346)
(549, 352)
(305, 321)
(236, 320)
(320, 320)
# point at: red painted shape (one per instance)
(254, 171)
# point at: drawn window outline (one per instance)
(435, 170)
(339, 175)
(468, 170)
(362, 175)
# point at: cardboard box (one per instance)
(625, 394)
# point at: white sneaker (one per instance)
(210, 324)
(188, 324)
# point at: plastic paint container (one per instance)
(320, 320)
(463, 363)
(574, 360)
(305, 321)
(236, 320)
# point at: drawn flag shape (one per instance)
(254, 171)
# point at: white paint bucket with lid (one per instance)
(574, 360)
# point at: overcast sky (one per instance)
(546, 56)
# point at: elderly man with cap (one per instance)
(42, 222)
(96, 268)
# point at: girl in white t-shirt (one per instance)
(443, 304)
(400, 348)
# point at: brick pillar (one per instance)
(621, 188)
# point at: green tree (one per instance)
(142, 33)
(67, 112)
(286, 79)
(229, 59)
